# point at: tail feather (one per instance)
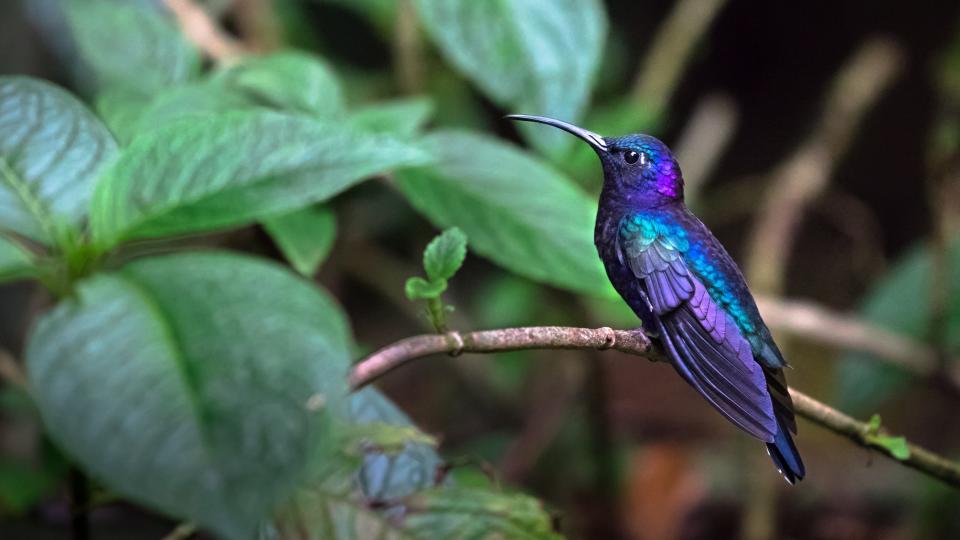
(785, 455)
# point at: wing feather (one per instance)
(703, 341)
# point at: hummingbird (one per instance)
(687, 290)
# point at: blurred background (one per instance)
(821, 143)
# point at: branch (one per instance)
(633, 342)
(810, 321)
(806, 173)
(671, 51)
(489, 341)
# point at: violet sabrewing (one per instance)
(687, 290)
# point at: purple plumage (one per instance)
(687, 290)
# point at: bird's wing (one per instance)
(704, 342)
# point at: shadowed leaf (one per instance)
(451, 512)
(209, 392)
(131, 46)
(534, 56)
(231, 169)
(899, 302)
(304, 236)
(516, 211)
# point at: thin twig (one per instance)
(204, 32)
(11, 371)
(632, 342)
(805, 174)
(920, 458)
(707, 134)
(816, 323)
(182, 531)
(257, 24)
(671, 50)
(408, 49)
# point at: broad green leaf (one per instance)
(304, 236)
(287, 80)
(418, 288)
(51, 148)
(231, 169)
(516, 211)
(401, 117)
(15, 262)
(445, 254)
(130, 115)
(207, 383)
(533, 56)
(899, 302)
(131, 46)
(390, 477)
(451, 512)
(120, 110)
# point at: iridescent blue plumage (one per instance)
(686, 289)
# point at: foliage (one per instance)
(441, 260)
(899, 302)
(213, 384)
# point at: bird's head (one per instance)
(637, 169)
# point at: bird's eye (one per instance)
(630, 156)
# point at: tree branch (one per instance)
(806, 173)
(633, 342)
(811, 321)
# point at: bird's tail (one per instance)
(785, 455)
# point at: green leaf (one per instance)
(326, 515)
(384, 477)
(15, 262)
(401, 117)
(533, 56)
(445, 254)
(451, 512)
(896, 445)
(516, 211)
(51, 148)
(899, 302)
(305, 236)
(286, 80)
(207, 384)
(384, 438)
(233, 168)
(131, 46)
(418, 288)
(130, 115)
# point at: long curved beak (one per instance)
(591, 138)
